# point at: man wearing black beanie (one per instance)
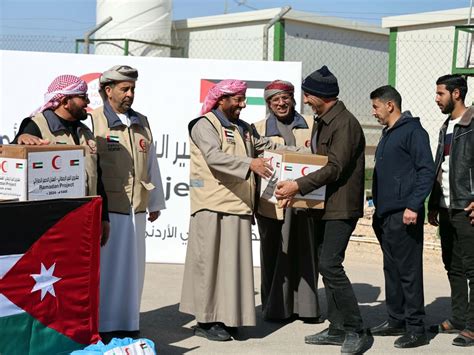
(339, 136)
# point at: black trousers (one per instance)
(402, 247)
(343, 310)
(457, 243)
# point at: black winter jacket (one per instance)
(461, 164)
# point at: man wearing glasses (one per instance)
(288, 256)
(58, 121)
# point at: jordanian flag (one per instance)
(254, 90)
(49, 275)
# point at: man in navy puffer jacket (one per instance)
(403, 176)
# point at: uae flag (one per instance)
(49, 275)
(254, 90)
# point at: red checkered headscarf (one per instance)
(222, 88)
(63, 85)
(277, 87)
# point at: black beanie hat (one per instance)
(321, 83)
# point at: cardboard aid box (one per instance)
(290, 166)
(41, 172)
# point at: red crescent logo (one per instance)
(88, 78)
(142, 144)
(56, 162)
(3, 166)
(303, 170)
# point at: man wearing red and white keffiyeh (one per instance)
(62, 86)
(58, 121)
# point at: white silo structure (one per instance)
(141, 20)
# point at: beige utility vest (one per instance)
(303, 139)
(123, 155)
(86, 139)
(215, 191)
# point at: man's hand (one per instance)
(105, 233)
(261, 167)
(153, 216)
(409, 217)
(470, 209)
(286, 190)
(433, 218)
(28, 139)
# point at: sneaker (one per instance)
(211, 331)
(354, 343)
(411, 340)
(326, 337)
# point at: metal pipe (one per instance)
(467, 53)
(267, 27)
(88, 34)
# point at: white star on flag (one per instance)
(45, 281)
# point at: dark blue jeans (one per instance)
(333, 237)
(402, 247)
(457, 243)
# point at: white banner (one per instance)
(169, 92)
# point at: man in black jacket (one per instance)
(403, 176)
(451, 203)
(339, 136)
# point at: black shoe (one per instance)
(108, 336)
(211, 331)
(311, 320)
(233, 331)
(385, 329)
(326, 337)
(445, 327)
(411, 340)
(354, 343)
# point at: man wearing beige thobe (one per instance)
(218, 286)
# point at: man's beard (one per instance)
(78, 113)
(449, 108)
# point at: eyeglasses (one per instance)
(84, 97)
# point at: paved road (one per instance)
(170, 329)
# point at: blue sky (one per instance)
(72, 18)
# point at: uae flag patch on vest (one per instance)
(49, 275)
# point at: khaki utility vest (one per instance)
(215, 191)
(303, 139)
(123, 155)
(86, 139)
